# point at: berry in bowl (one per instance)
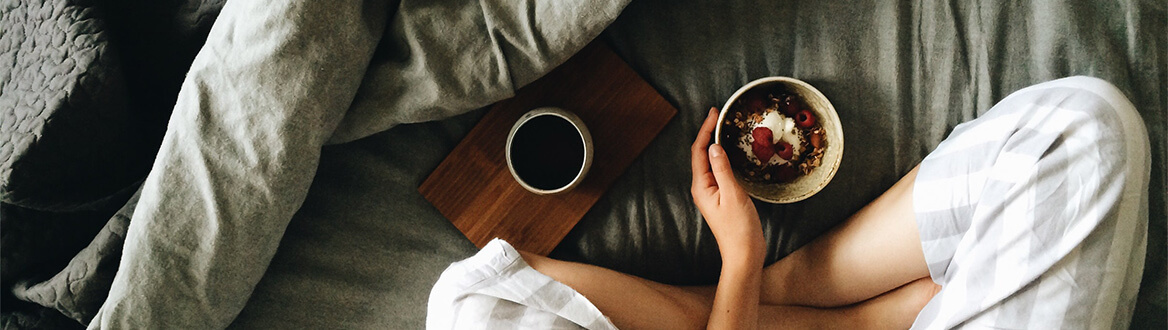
(783, 138)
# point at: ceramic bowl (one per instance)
(803, 186)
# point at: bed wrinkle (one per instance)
(498, 53)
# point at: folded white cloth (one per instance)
(496, 289)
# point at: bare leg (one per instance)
(635, 303)
(896, 309)
(871, 268)
(630, 302)
(874, 251)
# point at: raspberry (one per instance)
(784, 150)
(786, 173)
(756, 105)
(762, 146)
(763, 134)
(805, 119)
(789, 105)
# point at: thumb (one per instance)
(720, 164)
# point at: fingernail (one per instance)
(713, 111)
(715, 151)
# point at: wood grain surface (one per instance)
(473, 188)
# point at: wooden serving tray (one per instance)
(473, 188)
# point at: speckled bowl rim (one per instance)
(807, 185)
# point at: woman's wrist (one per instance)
(737, 297)
(747, 256)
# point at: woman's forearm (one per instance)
(736, 299)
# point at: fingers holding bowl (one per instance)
(720, 166)
(699, 156)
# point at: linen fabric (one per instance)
(275, 82)
(497, 289)
(1035, 215)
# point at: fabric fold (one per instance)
(497, 289)
(274, 83)
(443, 58)
(239, 154)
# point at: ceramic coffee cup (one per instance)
(549, 151)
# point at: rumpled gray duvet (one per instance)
(246, 221)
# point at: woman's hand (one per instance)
(734, 221)
(726, 207)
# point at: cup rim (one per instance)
(582, 131)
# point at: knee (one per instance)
(1088, 116)
(1098, 99)
(1115, 116)
(1097, 133)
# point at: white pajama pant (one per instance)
(1034, 215)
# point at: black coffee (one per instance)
(547, 152)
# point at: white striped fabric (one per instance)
(1034, 215)
(496, 289)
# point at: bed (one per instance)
(362, 248)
